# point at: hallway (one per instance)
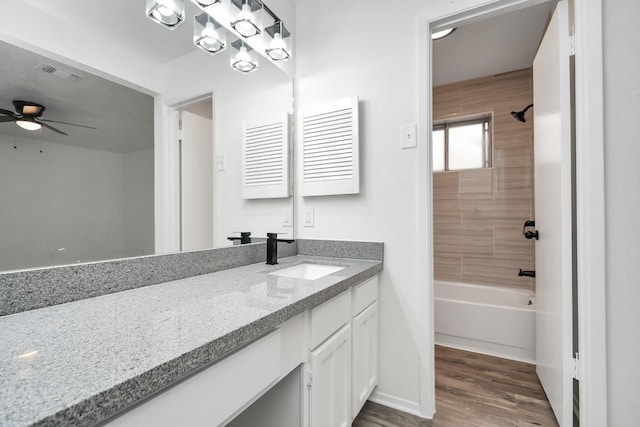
(474, 390)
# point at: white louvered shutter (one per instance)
(330, 148)
(265, 159)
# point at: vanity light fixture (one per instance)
(246, 17)
(278, 42)
(169, 13)
(442, 33)
(243, 57)
(29, 124)
(208, 34)
(243, 18)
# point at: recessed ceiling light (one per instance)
(442, 34)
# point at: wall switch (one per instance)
(286, 219)
(221, 162)
(408, 136)
(308, 217)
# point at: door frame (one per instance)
(167, 170)
(590, 198)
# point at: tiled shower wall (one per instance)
(479, 214)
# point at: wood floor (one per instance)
(474, 390)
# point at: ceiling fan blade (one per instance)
(65, 123)
(7, 112)
(7, 119)
(53, 129)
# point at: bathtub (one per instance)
(486, 319)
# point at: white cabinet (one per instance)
(344, 355)
(365, 357)
(330, 393)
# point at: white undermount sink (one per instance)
(307, 271)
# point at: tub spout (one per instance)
(527, 273)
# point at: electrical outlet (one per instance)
(308, 217)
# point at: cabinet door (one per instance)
(330, 393)
(365, 356)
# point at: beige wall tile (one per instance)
(454, 240)
(512, 245)
(445, 185)
(493, 271)
(447, 211)
(478, 214)
(476, 181)
(447, 268)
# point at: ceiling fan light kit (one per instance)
(27, 116)
(29, 124)
(240, 18)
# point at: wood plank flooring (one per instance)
(474, 390)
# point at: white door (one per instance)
(552, 157)
(196, 182)
(330, 394)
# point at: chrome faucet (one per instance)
(272, 247)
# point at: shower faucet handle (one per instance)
(530, 234)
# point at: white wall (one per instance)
(138, 203)
(622, 186)
(65, 197)
(236, 97)
(370, 49)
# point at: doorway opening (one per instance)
(196, 174)
(476, 230)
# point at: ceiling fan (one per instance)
(27, 116)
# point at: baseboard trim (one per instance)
(490, 349)
(398, 403)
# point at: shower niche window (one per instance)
(462, 144)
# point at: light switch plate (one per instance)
(286, 218)
(308, 217)
(408, 136)
(221, 164)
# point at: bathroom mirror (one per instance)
(93, 194)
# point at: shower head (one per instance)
(519, 115)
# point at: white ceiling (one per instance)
(492, 46)
(125, 23)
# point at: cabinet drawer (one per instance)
(329, 317)
(364, 294)
(212, 396)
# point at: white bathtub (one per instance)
(486, 319)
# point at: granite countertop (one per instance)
(82, 362)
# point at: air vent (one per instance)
(266, 158)
(58, 72)
(330, 148)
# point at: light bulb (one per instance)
(165, 8)
(210, 39)
(29, 124)
(277, 48)
(245, 24)
(243, 61)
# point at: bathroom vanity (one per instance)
(200, 350)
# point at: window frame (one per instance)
(445, 125)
